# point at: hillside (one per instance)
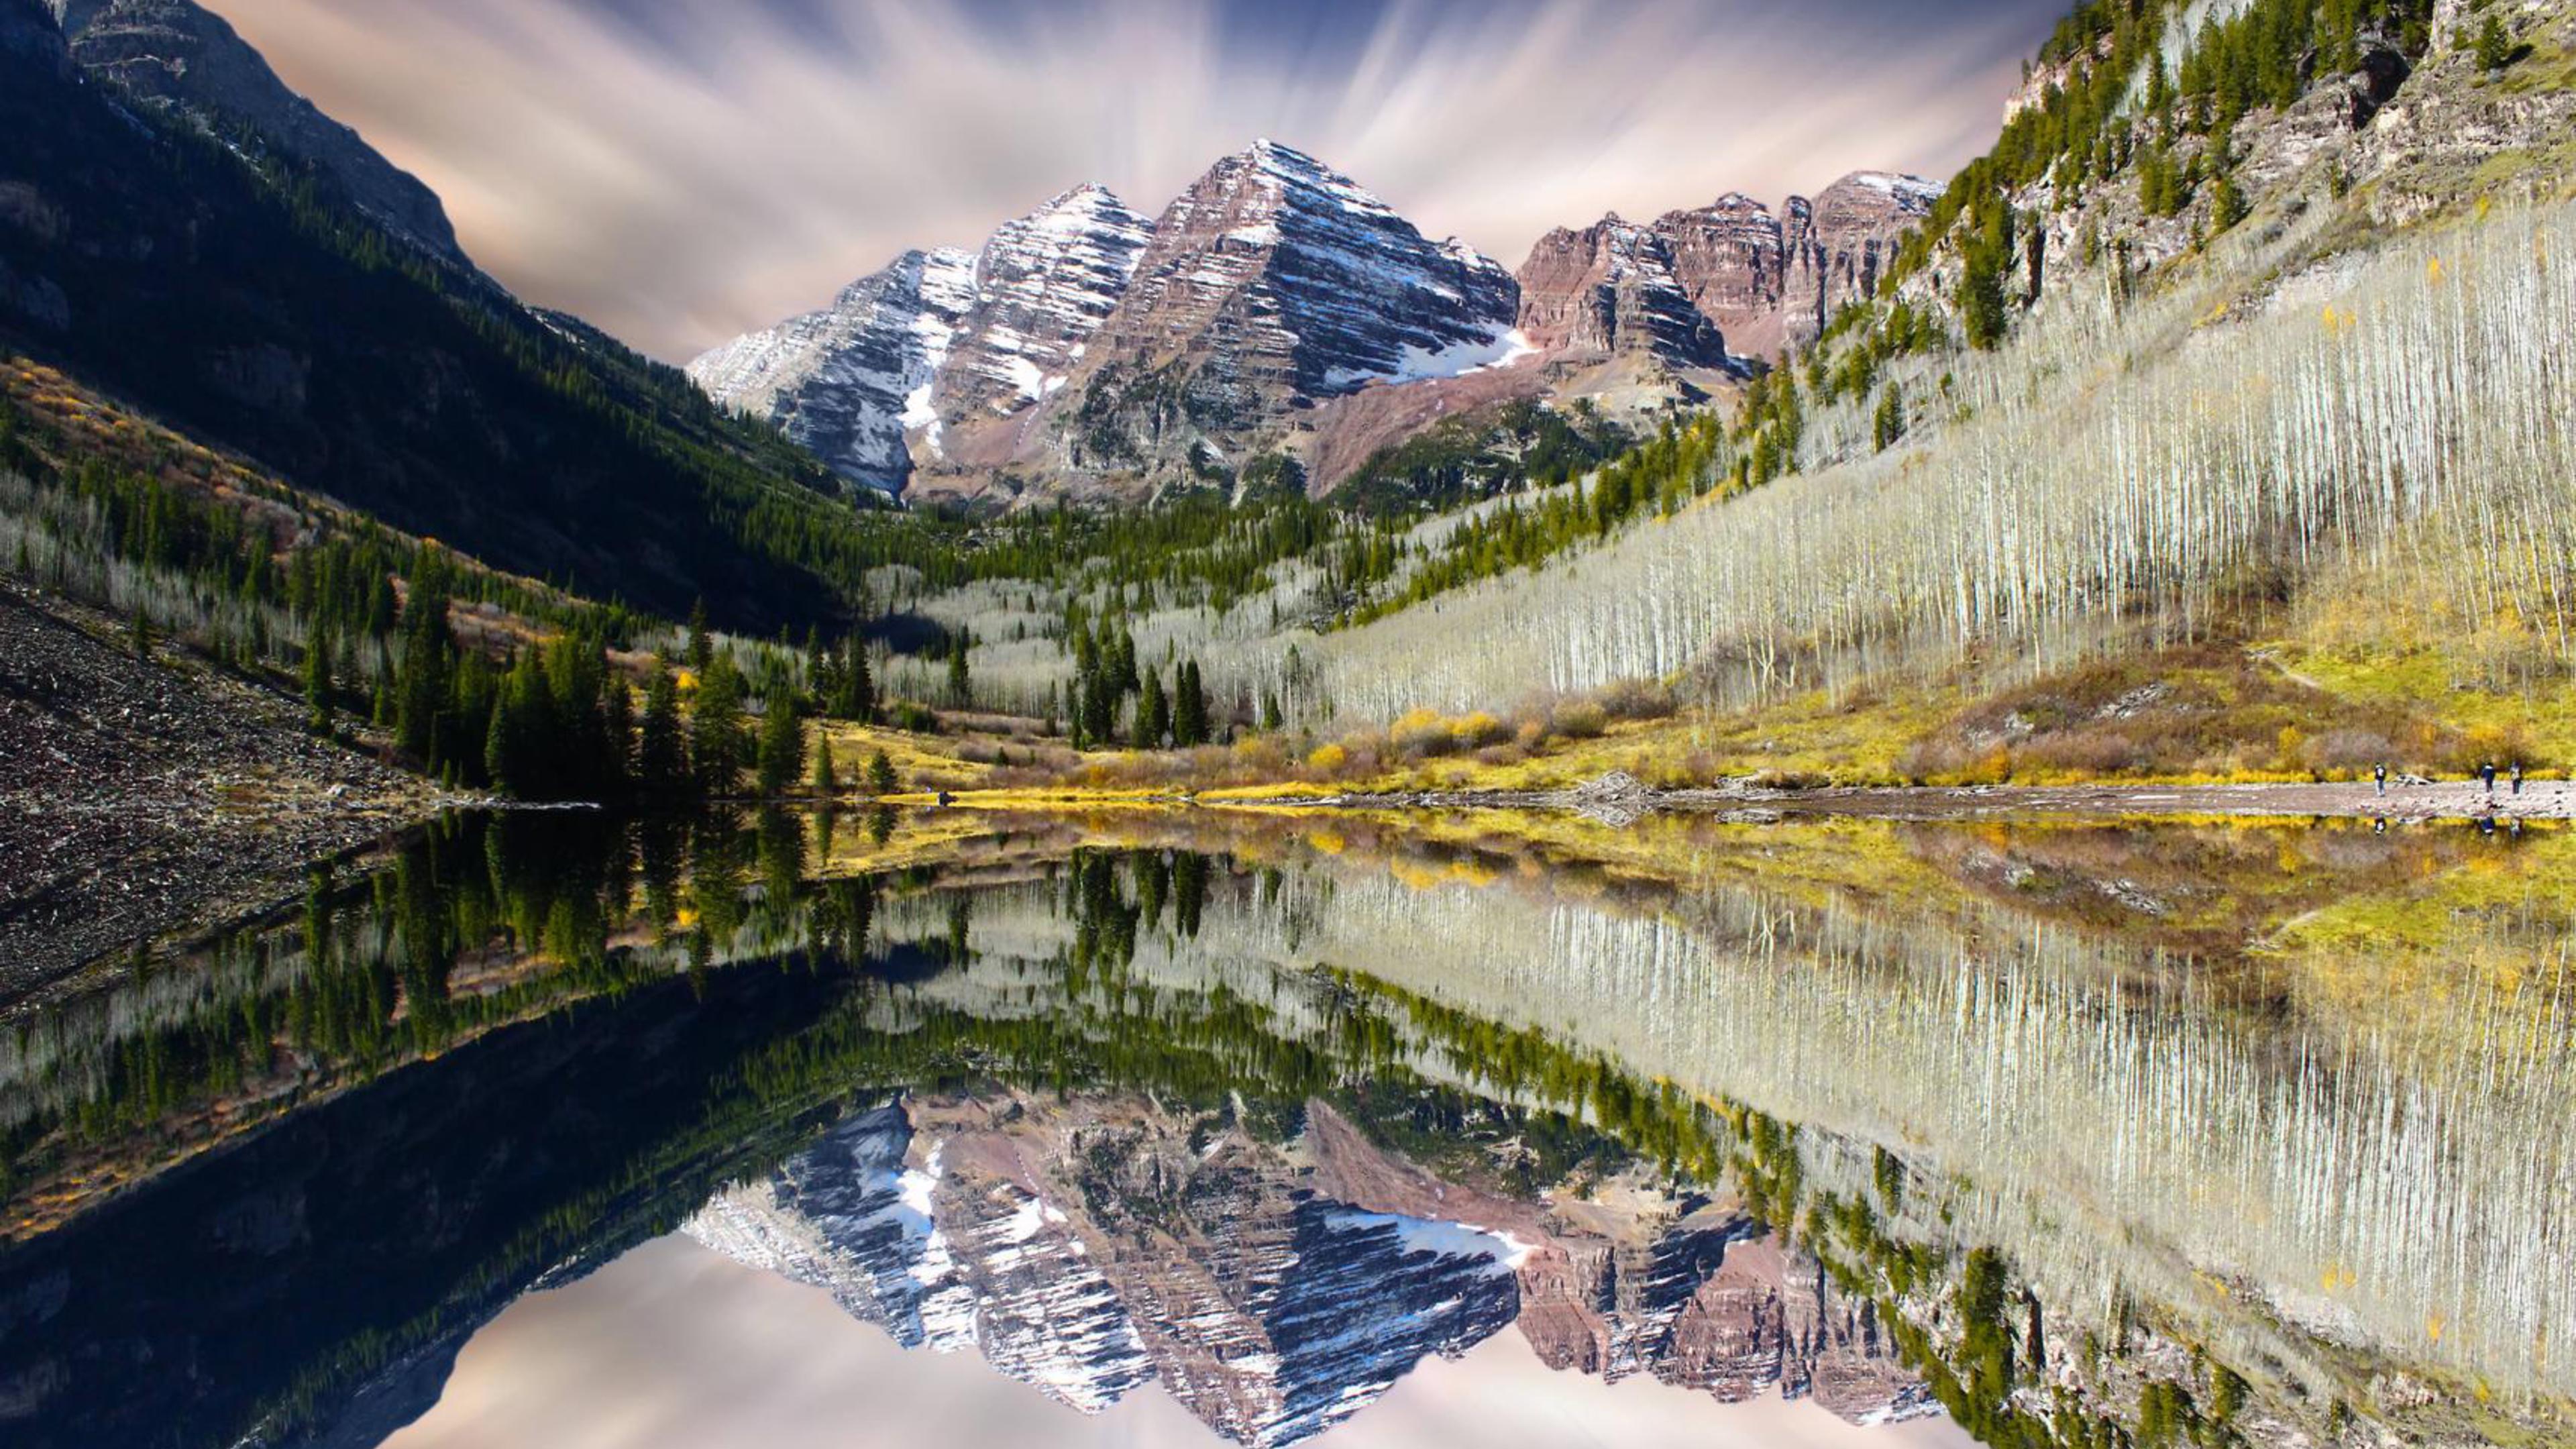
(250, 296)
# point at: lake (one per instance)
(1200, 1126)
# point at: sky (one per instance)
(682, 171)
(673, 1346)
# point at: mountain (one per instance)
(176, 58)
(938, 341)
(1272, 281)
(1083, 340)
(1089, 1246)
(201, 270)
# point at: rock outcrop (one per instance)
(1730, 277)
(1611, 287)
(1772, 281)
(178, 57)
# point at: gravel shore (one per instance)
(138, 799)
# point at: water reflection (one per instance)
(2103, 1134)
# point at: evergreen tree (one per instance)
(317, 681)
(716, 745)
(959, 685)
(1153, 713)
(2495, 46)
(617, 759)
(827, 779)
(662, 757)
(1272, 719)
(139, 634)
(2226, 204)
(1888, 423)
(1189, 707)
(701, 645)
(858, 685)
(1981, 299)
(782, 745)
(881, 777)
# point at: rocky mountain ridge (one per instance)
(1089, 340)
(179, 58)
(1096, 345)
(1710, 286)
(1086, 1248)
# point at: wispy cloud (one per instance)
(682, 171)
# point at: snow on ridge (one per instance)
(1443, 1239)
(1502, 346)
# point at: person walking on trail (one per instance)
(2517, 777)
(2486, 772)
(2379, 777)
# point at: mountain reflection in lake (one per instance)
(2099, 1134)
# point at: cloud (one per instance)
(683, 171)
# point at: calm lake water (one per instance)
(1196, 1127)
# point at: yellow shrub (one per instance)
(1328, 759)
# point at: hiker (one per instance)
(2486, 772)
(2379, 776)
(2517, 777)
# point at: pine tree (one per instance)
(1189, 707)
(1153, 713)
(701, 646)
(317, 681)
(617, 747)
(881, 776)
(662, 758)
(862, 683)
(2495, 46)
(1888, 423)
(139, 634)
(1981, 300)
(782, 745)
(959, 685)
(827, 779)
(716, 744)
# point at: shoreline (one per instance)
(1618, 799)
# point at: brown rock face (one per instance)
(1731, 260)
(1611, 288)
(1840, 243)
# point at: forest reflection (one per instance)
(2115, 1132)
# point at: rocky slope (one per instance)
(1089, 1247)
(1044, 285)
(138, 798)
(853, 382)
(177, 57)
